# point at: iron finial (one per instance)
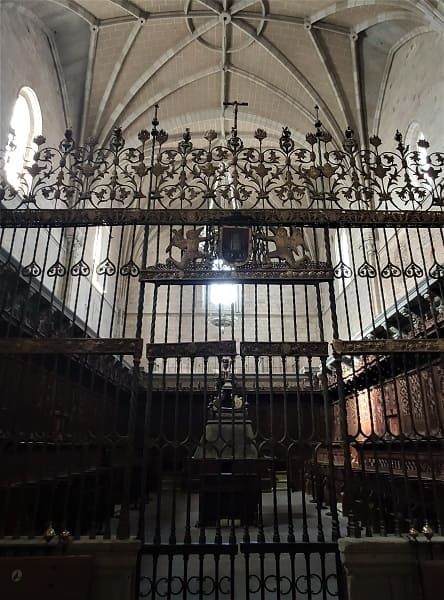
(398, 138)
(155, 121)
(349, 143)
(318, 123)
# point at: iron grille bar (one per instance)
(204, 455)
(257, 217)
(388, 346)
(308, 274)
(116, 346)
(201, 349)
(284, 349)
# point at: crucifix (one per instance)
(236, 105)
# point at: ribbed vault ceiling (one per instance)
(281, 56)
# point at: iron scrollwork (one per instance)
(310, 586)
(237, 254)
(176, 586)
(230, 176)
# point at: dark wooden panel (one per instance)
(48, 578)
(71, 346)
(432, 572)
(284, 349)
(295, 217)
(401, 462)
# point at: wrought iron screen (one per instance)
(234, 353)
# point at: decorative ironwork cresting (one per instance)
(231, 175)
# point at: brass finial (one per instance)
(427, 531)
(64, 536)
(49, 533)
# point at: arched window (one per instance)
(25, 125)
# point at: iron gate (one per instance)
(246, 571)
(233, 353)
(236, 503)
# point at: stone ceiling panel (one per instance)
(148, 54)
(360, 14)
(159, 5)
(421, 103)
(193, 98)
(258, 62)
(189, 62)
(377, 48)
(189, 65)
(297, 46)
(110, 41)
(148, 51)
(300, 8)
(266, 104)
(341, 69)
(102, 9)
(178, 108)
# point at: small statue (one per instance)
(287, 246)
(189, 245)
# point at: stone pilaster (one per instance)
(392, 568)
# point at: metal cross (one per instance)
(236, 105)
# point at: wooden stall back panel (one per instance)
(51, 578)
(432, 571)
(438, 378)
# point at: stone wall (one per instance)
(51, 569)
(415, 90)
(392, 568)
(26, 60)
